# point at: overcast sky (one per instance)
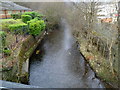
(61, 0)
(95, 0)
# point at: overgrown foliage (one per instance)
(33, 14)
(33, 20)
(22, 24)
(7, 52)
(3, 38)
(18, 28)
(26, 18)
(16, 16)
(5, 23)
(36, 26)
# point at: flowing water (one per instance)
(61, 64)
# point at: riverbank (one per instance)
(98, 63)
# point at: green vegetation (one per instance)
(14, 32)
(36, 26)
(6, 22)
(18, 28)
(3, 37)
(29, 20)
(26, 18)
(3, 40)
(16, 16)
(7, 52)
(34, 14)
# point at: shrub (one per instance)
(3, 37)
(31, 21)
(16, 16)
(33, 14)
(26, 18)
(39, 16)
(6, 22)
(36, 26)
(18, 28)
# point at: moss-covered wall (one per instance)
(27, 48)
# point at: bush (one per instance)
(31, 21)
(3, 37)
(36, 26)
(6, 22)
(18, 28)
(33, 14)
(39, 16)
(26, 18)
(16, 16)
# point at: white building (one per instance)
(107, 10)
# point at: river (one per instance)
(61, 64)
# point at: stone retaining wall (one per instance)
(27, 48)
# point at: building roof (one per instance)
(9, 5)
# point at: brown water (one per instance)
(62, 65)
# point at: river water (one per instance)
(61, 64)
